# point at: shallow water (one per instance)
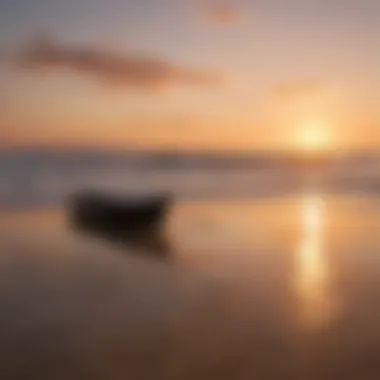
(296, 292)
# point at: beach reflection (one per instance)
(311, 271)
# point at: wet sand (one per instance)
(285, 290)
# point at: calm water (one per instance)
(43, 178)
(294, 291)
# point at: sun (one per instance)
(313, 138)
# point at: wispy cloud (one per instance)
(305, 102)
(132, 70)
(221, 13)
(303, 90)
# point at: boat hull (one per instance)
(128, 216)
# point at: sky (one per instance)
(190, 74)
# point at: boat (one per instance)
(119, 216)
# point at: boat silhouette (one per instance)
(137, 222)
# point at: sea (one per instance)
(43, 177)
(294, 240)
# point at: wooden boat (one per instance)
(119, 216)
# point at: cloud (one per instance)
(132, 70)
(305, 102)
(221, 13)
(303, 90)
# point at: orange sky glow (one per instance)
(243, 75)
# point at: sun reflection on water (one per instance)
(312, 276)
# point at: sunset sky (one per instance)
(190, 74)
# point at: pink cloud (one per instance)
(222, 13)
(132, 70)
